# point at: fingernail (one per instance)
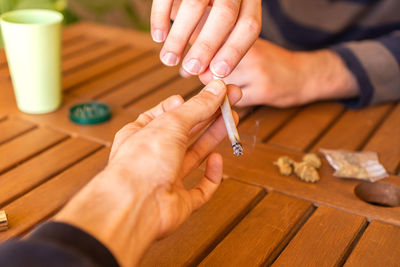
(215, 87)
(158, 36)
(193, 66)
(170, 59)
(220, 69)
(183, 73)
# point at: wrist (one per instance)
(325, 76)
(123, 215)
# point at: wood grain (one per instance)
(27, 145)
(262, 234)
(88, 56)
(353, 129)
(114, 80)
(264, 121)
(17, 182)
(386, 141)
(256, 167)
(130, 91)
(13, 127)
(77, 47)
(308, 124)
(378, 246)
(40, 203)
(181, 87)
(189, 244)
(324, 239)
(99, 67)
(102, 133)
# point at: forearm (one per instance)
(116, 210)
(325, 76)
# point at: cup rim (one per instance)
(58, 17)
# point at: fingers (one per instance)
(187, 18)
(160, 19)
(234, 95)
(205, 145)
(219, 24)
(210, 182)
(168, 104)
(243, 36)
(197, 109)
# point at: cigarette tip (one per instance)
(237, 149)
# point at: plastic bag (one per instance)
(356, 165)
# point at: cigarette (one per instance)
(230, 125)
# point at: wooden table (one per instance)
(257, 217)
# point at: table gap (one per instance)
(73, 39)
(169, 81)
(3, 118)
(378, 126)
(280, 127)
(115, 51)
(324, 131)
(19, 135)
(79, 51)
(354, 243)
(293, 232)
(228, 229)
(91, 78)
(35, 154)
(131, 79)
(56, 173)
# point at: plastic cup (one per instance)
(32, 39)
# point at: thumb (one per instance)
(199, 108)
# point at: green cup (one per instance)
(32, 39)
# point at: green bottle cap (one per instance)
(90, 113)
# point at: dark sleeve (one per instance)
(56, 244)
(376, 66)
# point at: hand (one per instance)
(271, 75)
(221, 32)
(139, 197)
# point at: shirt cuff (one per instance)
(366, 90)
(69, 238)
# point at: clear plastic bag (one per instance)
(355, 165)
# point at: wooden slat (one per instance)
(13, 127)
(89, 56)
(264, 121)
(262, 234)
(189, 244)
(101, 66)
(353, 129)
(16, 182)
(27, 145)
(45, 200)
(138, 87)
(378, 246)
(324, 239)
(256, 167)
(181, 87)
(113, 80)
(386, 141)
(300, 132)
(75, 47)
